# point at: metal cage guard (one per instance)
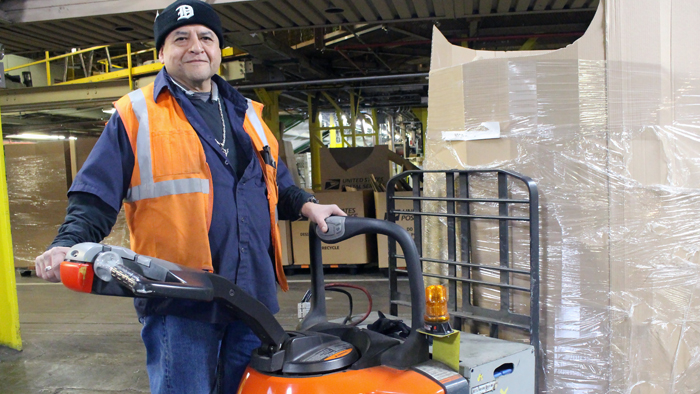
(459, 217)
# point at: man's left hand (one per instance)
(318, 213)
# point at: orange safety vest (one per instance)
(169, 202)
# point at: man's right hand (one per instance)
(48, 265)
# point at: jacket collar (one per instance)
(163, 81)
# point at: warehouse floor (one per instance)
(76, 343)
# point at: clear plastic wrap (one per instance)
(36, 184)
(613, 146)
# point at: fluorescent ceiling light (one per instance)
(109, 111)
(30, 136)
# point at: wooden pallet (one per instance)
(352, 269)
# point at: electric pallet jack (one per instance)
(322, 356)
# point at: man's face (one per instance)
(192, 56)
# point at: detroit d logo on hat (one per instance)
(185, 12)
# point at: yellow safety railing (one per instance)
(49, 59)
(130, 71)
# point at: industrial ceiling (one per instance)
(379, 48)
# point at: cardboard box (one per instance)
(286, 154)
(286, 234)
(352, 167)
(607, 127)
(404, 220)
(354, 251)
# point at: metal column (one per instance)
(9, 310)
(271, 112)
(128, 60)
(315, 143)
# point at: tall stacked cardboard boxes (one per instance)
(608, 128)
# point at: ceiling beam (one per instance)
(439, 8)
(291, 13)
(522, 5)
(540, 5)
(239, 19)
(258, 17)
(402, 8)
(535, 29)
(364, 8)
(552, 13)
(559, 4)
(321, 5)
(63, 96)
(328, 36)
(383, 9)
(503, 6)
(349, 10)
(24, 11)
(463, 8)
(285, 50)
(422, 10)
(96, 124)
(310, 13)
(408, 33)
(355, 34)
(485, 7)
(450, 8)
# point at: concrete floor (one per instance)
(74, 343)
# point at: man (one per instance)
(199, 175)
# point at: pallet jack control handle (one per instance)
(341, 228)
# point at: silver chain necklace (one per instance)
(223, 130)
(221, 112)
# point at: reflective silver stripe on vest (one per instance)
(168, 188)
(255, 121)
(149, 188)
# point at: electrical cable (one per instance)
(356, 287)
(307, 296)
(336, 287)
(348, 318)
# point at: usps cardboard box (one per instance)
(358, 250)
(404, 220)
(352, 167)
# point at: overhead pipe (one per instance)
(331, 81)
(458, 40)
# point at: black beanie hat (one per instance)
(186, 12)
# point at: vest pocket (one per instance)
(175, 152)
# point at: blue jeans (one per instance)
(194, 357)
